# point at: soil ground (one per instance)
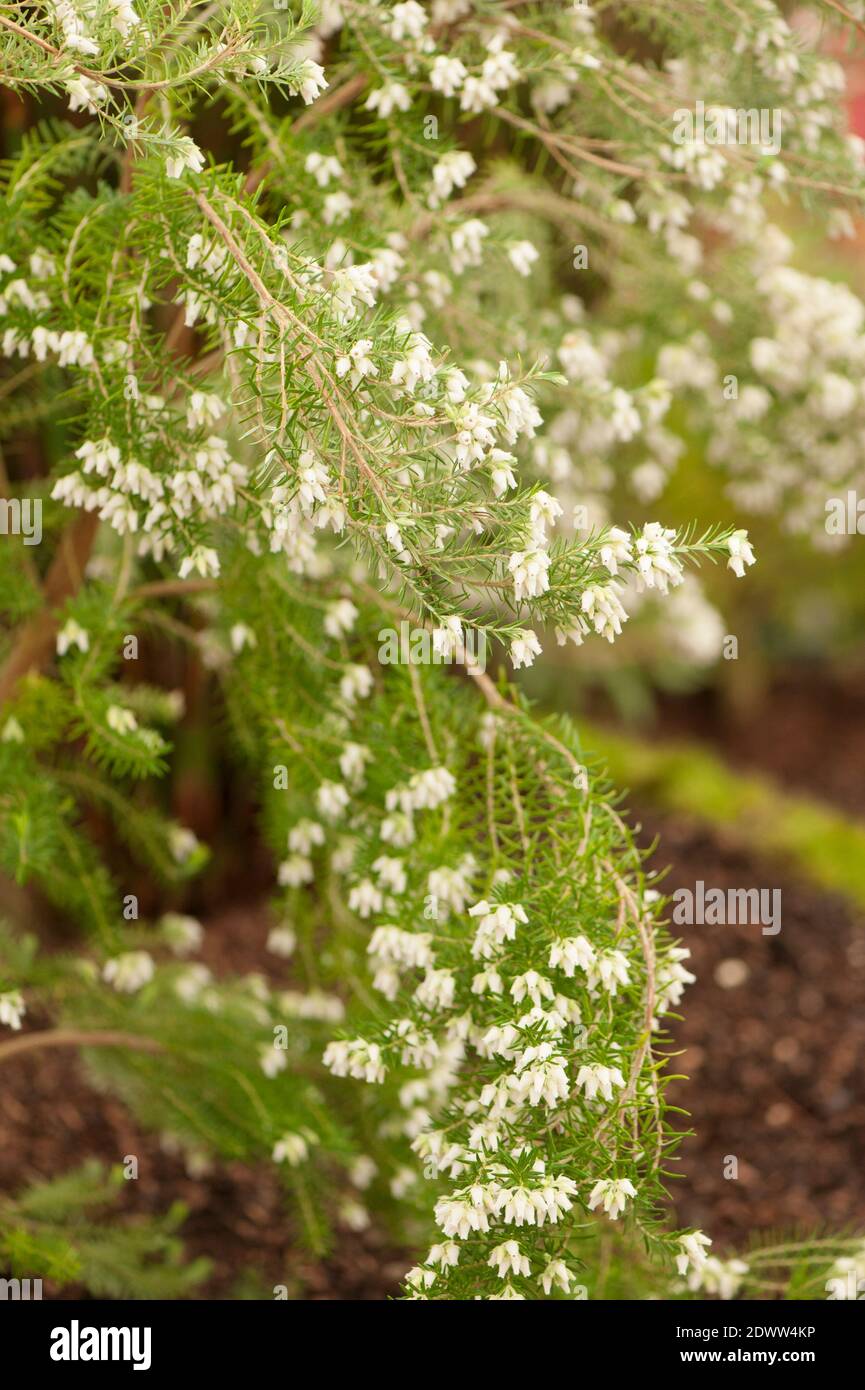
(808, 734)
(773, 1034)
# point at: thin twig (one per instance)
(73, 1037)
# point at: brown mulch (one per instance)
(808, 733)
(50, 1121)
(773, 1034)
